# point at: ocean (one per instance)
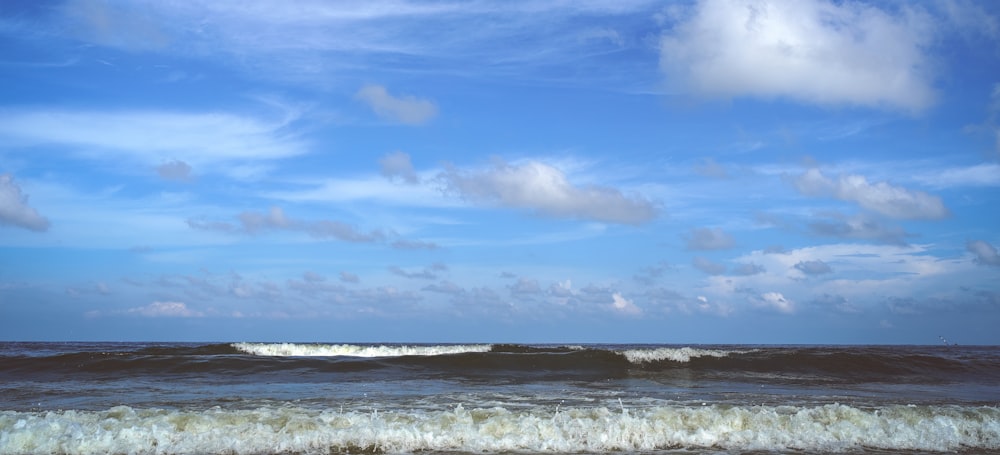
(315, 398)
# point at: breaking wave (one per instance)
(290, 429)
(352, 350)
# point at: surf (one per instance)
(290, 429)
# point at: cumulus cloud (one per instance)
(748, 269)
(313, 277)
(444, 287)
(174, 170)
(425, 274)
(14, 208)
(708, 266)
(985, 254)
(857, 227)
(406, 109)
(837, 303)
(623, 305)
(880, 197)
(774, 301)
(348, 277)
(397, 165)
(166, 309)
(649, 275)
(814, 51)
(253, 222)
(525, 286)
(428, 273)
(816, 267)
(709, 239)
(545, 190)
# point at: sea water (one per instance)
(263, 398)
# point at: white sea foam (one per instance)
(674, 354)
(829, 428)
(352, 350)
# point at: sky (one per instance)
(596, 171)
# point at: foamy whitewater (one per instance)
(261, 398)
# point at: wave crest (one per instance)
(639, 356)
(353, 350)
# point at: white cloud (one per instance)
(323, 43)
(166, 309)
(816, 267)
(525, 286)
(174, 170)
(857, 227)
(814, 51)
(708, 266)
(545, 190)
(122, 25)
(274, 219)
(14, 208)
(427, 273)
(709, 168)
(313, 277)
(398, 165)
(986, 254)
(414, 245)
(709, 239)
(348, 277)
(216, 141)
(373, 189)
(253, 222)
(865, 276)
(747, 269)
(444, 287)
(880, 197)
(711, 307)
(623, 305)
(341, 231)
(984, 174)
(774, 301)
(406, 109)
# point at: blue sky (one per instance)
(716, 171)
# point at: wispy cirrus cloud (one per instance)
(322, 43)
(251, 222)
(982, 175)
(209, 140)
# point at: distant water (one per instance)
(255, 398)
